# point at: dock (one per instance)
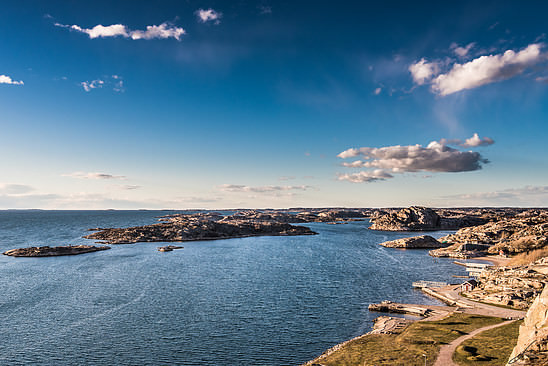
(422, 284)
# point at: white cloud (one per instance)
(4, 79)
(422, 71)
(436, 157)
(475, 141)
(377, 91)
(485, 70)
(364, 176)
(260, 189)
(89, 85)
(462, 51)
(84, 175)
(162, 31)
(208, 15)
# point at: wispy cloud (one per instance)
(265, 9)
(162, 31)
(15, 189)
(528, 195)
(462, 51)
(480, 71)
(208, 15)
(116, 82)
(365, 176)
(84, 175)
(435, 157)
(129, 187)
(261, 189)
(94, 84)
(4, 79)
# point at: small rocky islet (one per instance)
(47, 251)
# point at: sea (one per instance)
(251, 301)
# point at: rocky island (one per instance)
(200, 226)
(54, 251)
(415, 242)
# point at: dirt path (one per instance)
(446, 351)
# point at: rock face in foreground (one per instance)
(532, 346)
(513, 235)
(415, 242)
(54, 251)
(201, 226)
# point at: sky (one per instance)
(272, 104)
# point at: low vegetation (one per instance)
(409, 347)
(528, 257)
(489, 348)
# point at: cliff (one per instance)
(532, 346)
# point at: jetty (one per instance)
(410, 309)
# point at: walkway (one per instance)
(446, 351)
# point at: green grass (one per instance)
(489, 348)
(408, 347)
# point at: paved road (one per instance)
(483, 309)
(446, 351)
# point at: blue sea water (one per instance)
(251, 301)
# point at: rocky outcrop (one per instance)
(511, 286)
(416, 218)
(532, 346)
(408, 219)
(54, 251)
(512, 235)
(201, 226)
(415, 242)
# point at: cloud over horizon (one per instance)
(92, 175)
(260, 189)
(477, 72)
(436, 157)
(162, 31)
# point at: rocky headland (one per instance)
(415, 242)
(417, 218)
(199, 226)
(54, 251)
(524, 232)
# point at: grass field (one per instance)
(407, 348)
(489, 348)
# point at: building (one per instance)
(468, 285)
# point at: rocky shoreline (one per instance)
(47, 251)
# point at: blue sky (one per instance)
(222, 104)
